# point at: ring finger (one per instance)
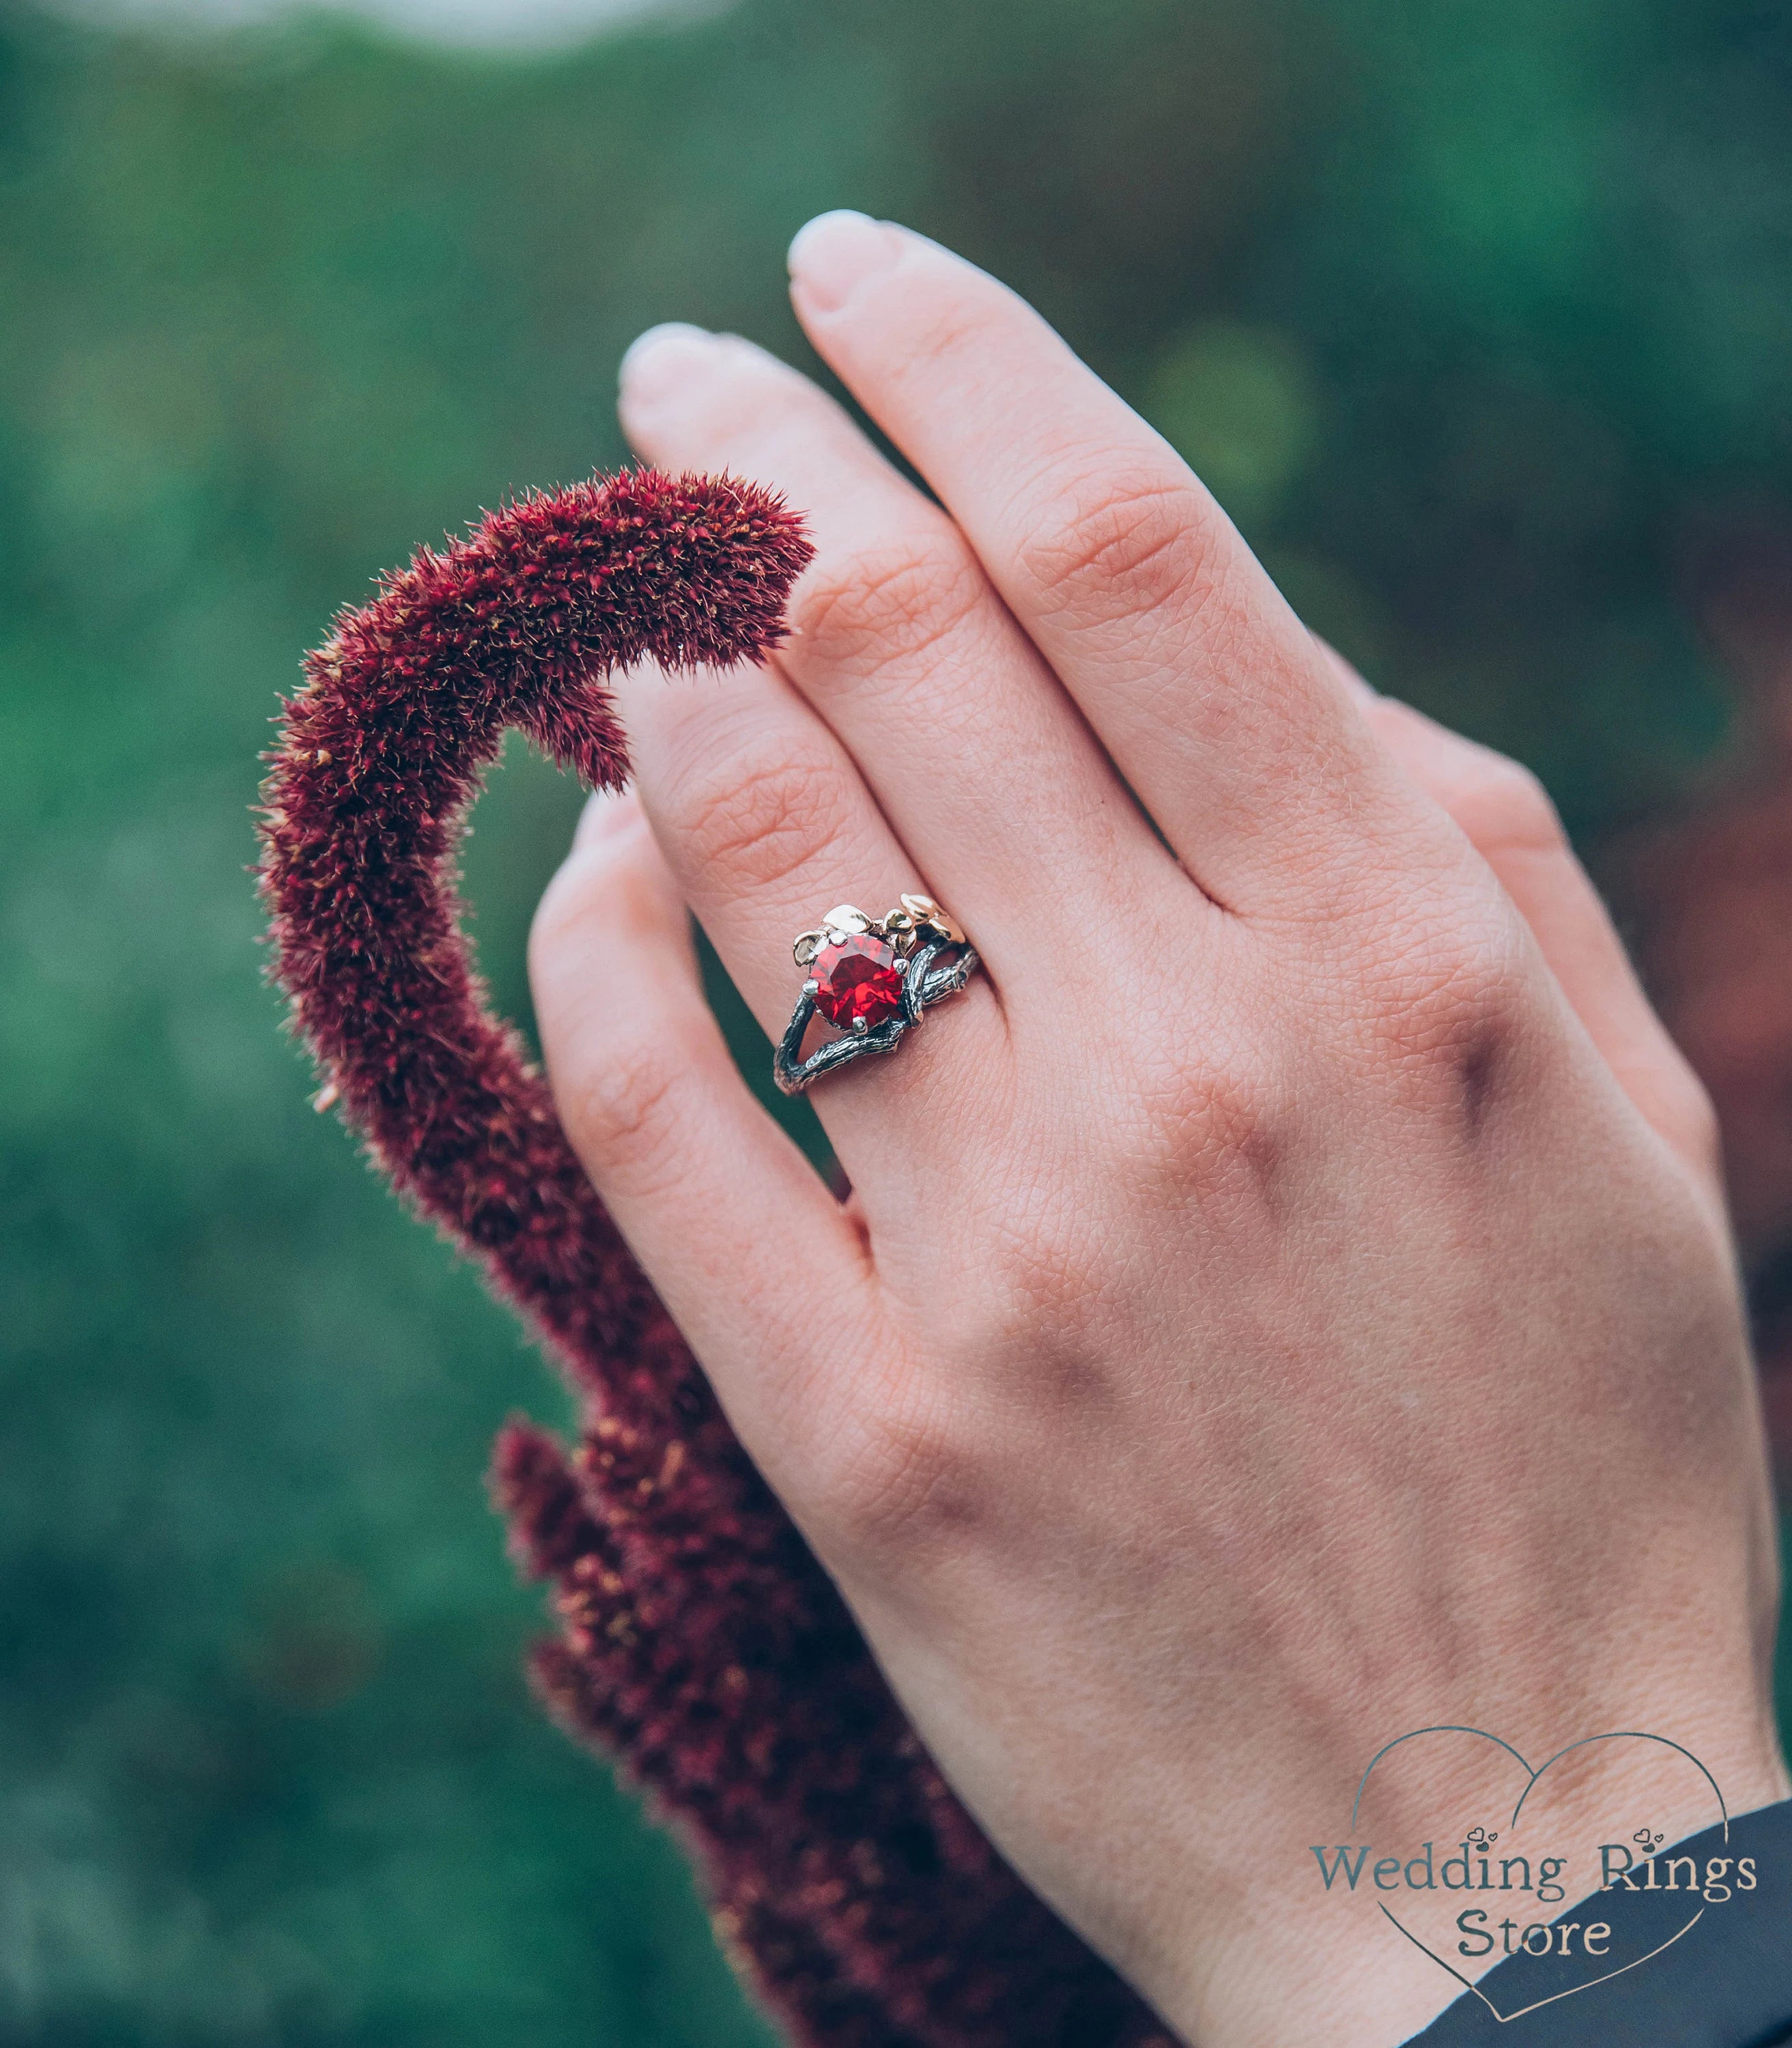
(973, 750)
(766, 824)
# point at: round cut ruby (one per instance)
(857, 981)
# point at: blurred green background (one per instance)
(1477, 318)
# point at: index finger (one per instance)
(1203, 686)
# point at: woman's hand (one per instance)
(1286, 1300)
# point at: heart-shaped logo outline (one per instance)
(1612, 1735)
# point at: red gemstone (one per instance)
(856, 979)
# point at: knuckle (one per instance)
(755, 820)
(1197, 1096)
(1451, 1002)
(952, 332)
(1212, 1115)
(1221, 1133)
(1040, 1283)
(1504, 808)
(1686, 1112)
(621, 1108)
(857, 610)
(1121, 540)
(901, 1479)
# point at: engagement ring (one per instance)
(870, 977)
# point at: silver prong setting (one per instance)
(913, 935)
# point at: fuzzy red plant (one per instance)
(701, 1645)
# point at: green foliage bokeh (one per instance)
(1471, 315)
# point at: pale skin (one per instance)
(1286, 1299)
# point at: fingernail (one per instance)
(606, 811)
(656, 361)
(836, 252)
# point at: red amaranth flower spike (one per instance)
(701, 1645)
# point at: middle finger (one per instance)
(1202, 684)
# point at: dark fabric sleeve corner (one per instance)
(1726, 1984)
